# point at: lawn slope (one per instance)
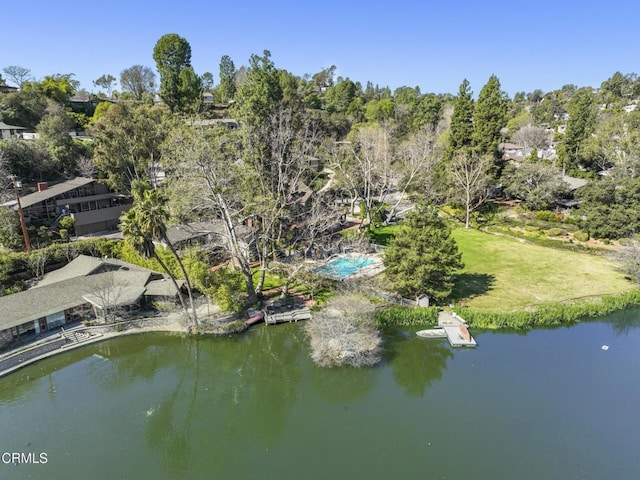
(504, 274)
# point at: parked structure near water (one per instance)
(84, 289)
(452, 327)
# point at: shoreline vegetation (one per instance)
(544, 315)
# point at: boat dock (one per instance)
(288, 316)
(456, 330)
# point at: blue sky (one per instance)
(434, 45)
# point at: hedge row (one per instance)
(552, 314)
(406, 316)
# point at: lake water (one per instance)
(548, 404)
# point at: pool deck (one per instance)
(369, 270)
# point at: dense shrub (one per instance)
(555, 232)
(548, 242)
(549, 216)
(609, 207)
(406, 316)
(581, 236)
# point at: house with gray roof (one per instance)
(86, 288)
(93, 205)
(10, 131)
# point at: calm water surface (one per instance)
(550, 404)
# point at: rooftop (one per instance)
(4, 126)
(54, 190)
(85, 279)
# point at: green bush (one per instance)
(548, 242)
(67, 222)
(378, 211)
(581, 236)
(555, 232)
(406, 316)
(546, 215)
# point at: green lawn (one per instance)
(505, 274)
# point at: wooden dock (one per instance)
(456, 329)
(288, 316)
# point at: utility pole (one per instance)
(23, 224)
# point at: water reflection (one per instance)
(270, 369)
(168, 430)
(624, 322)
(138, 357)
(234, 393)
(344, 385)
(416, 363)
(20, 385)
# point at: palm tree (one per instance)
(145, 222)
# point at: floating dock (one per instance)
(456, 330)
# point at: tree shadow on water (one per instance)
(416, 362)
(470, 285)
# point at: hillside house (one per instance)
(93, 205)
(10, 131)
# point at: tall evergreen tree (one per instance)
(461, 136)
(259, 93)
(580, 126)
(172, 54)
(423, 256)
(489, 117)
(227, 87)
(189, 90)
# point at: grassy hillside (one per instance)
(504, 274)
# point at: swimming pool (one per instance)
(343, 267)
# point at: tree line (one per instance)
(380, 149)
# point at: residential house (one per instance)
(93, 205)
(230, 123)
(8, 89)
(210, 236)
(574, 184)
(10, 131)
(207, 98)
(84, 289)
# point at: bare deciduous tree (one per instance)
(206, 181)
(107, 294)
(531, 136)
(137, 80)
(365, 170)
(470, 176)
(37, 261)
(417, 157)
(629, 257)
(18, 75)
(278, 154)
(86, 167)
(344, 333)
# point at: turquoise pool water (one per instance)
(344, 267)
